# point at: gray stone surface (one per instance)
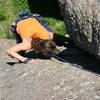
(82, 19)
(47, 79)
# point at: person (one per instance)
(31, 34)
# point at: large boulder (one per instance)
(82, 19)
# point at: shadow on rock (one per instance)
(12, 63)
(80, 59)
(30, 54)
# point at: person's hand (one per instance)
(31, 61)
(28, 60)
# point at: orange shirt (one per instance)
(31, 28)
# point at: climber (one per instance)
(32, 32)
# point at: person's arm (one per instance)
(25, 45)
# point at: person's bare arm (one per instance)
(25, 45)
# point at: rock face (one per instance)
(82, 19)
(46, 79)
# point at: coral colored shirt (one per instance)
(31, 28)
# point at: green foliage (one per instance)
(9, 11)
(5, 18)
(2, 11)
(19, 5)
(5, 32)
(8, 14)
(56, 25)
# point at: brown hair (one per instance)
(45, 47)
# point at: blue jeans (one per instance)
(18, 38)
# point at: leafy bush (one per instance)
(9, 11)
(2, 11)
(56, 25)
(19, 5)
(8, 14)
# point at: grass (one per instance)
(10, 8)
(6, 18)
(56, 25)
